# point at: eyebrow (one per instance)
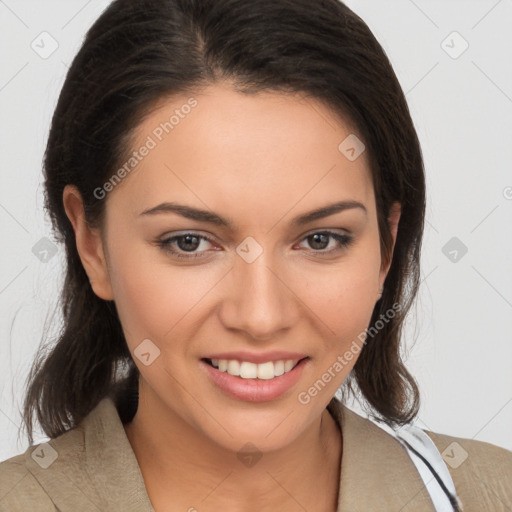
(210, 217)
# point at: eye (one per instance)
(186, 243)
(319, 241)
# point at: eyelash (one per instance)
(165, 244)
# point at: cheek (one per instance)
(343, 296)
(156, 299)
(343, 301)
(152, 298)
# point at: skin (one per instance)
(259, 160)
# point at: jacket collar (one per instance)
(81, 477)
(376, 471)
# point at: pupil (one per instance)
(187, 238)
(316, 240)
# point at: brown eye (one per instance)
(184, 246)
(320, 240)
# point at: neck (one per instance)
(183, 469)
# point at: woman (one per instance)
(241, 194)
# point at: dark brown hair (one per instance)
(139, 52)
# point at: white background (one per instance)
(460, 345)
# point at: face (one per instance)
(251, 279)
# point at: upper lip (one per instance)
(257, 358)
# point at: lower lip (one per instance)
(254, 390)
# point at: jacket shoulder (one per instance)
(481, 471)
(20, 490)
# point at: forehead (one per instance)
(264, 152)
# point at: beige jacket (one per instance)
(93, 468)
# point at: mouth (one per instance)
(253, 382)
(247, 370)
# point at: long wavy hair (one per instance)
(139, 52)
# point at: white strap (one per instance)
(418, 444)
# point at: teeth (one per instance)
(288, 365)
(233, 368)
(247, 370)
(279, 368)
(266, 370)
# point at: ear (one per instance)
(88, 243)
(393, 219)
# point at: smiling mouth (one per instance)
(248, 370)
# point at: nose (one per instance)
(261, 300)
